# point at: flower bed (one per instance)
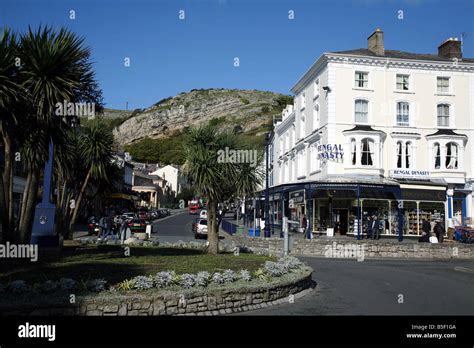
(161, 280)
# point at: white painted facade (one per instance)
(381, 126)
(172, 176)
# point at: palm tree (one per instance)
(95, 150)
(10, 95)
(55, 69)
(216, 180)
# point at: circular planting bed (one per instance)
(159, 281)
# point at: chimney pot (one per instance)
(375, 43)
(450, 48)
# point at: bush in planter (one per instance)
(229, 276)
(202, 278)
(96, 285)
(47, 287)
(165, 279)
(188, 280)
(290, 262)
(18, 287)
(218, 278)
(245, 275)
(142, 282)
(67, 284)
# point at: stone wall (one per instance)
(373, 249)
(191, 302)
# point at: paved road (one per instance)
(175, 227)
(372, 287)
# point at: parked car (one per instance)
(92, 226)
(203, 214)
(200, 229)
(194, 209)
(137, 225)
(143, 215)
(129, 216)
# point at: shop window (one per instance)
(367, 152)
(443, 115)
(451, 156)
(361, 111)
(403, 114)
(437, 155)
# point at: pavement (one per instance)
(384, 287)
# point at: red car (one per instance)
(193, 209)
(143, 215)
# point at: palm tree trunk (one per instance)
(8, 184)
(79, 201)
(3, 213)
(26, 220)
(212, 230)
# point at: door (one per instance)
(341, 220)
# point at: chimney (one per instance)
(451, 48)
(375, 42)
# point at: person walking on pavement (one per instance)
(304, 226)
(439, 231)
(369, 227)
(375, 227)
(426, 226)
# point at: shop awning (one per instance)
(123, 196)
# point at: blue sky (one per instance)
(169, 55)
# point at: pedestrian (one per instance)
(426, 226)
(375, 227)
(304, 224)
(439, 231)
(369, 227)
(425, 237)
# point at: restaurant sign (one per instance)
(330, 151)
(410, 174)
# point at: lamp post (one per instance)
(267, 197)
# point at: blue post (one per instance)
(358, 212)
(43, 232)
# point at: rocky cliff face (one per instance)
(246, 109)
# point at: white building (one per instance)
(375, 131)
(173, 177)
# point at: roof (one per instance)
(363, 128)
(401, 55)
(446, 132)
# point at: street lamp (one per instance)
(267, 204)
